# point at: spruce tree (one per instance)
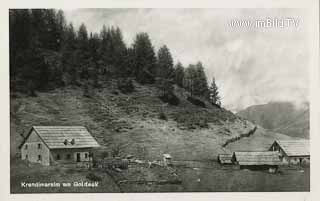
(214, 93)
(165, 63)
(83, 55)
(119, 51)
(179, 74)
(105, 50)
(200, 82)
(69, 56)
(145, 60)
(190, 79)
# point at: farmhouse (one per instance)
(292, 151)
(62, 144)
(257, 160)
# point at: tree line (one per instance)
(47, 52)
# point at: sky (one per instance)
(252, 66)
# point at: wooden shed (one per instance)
(257, 160)
(292, 151)
(61, 144)
(225, 158)
(167, 159)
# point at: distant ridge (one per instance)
(280, 117)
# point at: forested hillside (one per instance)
(47, 52)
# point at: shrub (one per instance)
(125, 85)
(203, 123)
(88, 92)
(196, 101)
(93, 177)
(163, 116)
(170, 98)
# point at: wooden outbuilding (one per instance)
(257, 160)
(292, 151)
(58, 144)
(225, 159)
(167, 159)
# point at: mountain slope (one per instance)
(280, 117)
(130, 123)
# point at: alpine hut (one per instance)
(292, 151)
(62, 144)
(257, 160)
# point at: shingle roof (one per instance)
(257, 158)
(166, 155)
(56, 136)
(225, 158)
(295, 147)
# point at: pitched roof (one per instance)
(257, 158)
(56, 137)
(295, 147)
(167, 156)
(225, 158)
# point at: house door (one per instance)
(78, 157)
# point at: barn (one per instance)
(58, 144)
(292, 151)
(257, 160)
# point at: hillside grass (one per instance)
(130, 124)
(130, 121)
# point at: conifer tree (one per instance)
(214, 93)
(179, 74)
(165, 63)
(144, 59)
(190, 79)
(200, 82)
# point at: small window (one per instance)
(86, 155)
(58, 157)
(39, 158)
(26, 146)
(68, 156)
(26, 156)
(39, 146)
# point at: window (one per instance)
(86, 155)
(39, 158)
(58, 157)
(68, 156)
(39, 146)
(26, 146)
(26, 156)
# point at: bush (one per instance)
(202, 123)
(170, 98)
(87, 91)
(163, 116)
(91, 176)
(125, 85)
(196, 101)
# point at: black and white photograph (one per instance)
(150, 100)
